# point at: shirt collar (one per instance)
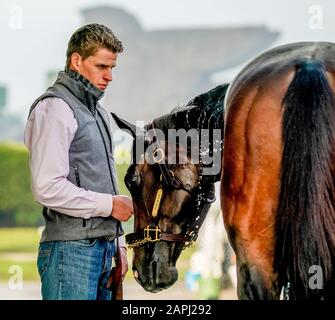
(84, 83)
(81, 87)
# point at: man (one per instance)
(73, 172)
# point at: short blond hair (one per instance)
(88, 39)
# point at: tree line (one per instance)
(17, 206)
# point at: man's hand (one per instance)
(123, 252)
(122, 208)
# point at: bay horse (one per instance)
(277, 180)
(277, 191)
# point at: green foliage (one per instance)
(3, 98)
(19, 239)
(29, 269)
(121, 172)
(18, 246)
(17, 206)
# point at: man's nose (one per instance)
(108, 75)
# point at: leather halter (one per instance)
(152, 233)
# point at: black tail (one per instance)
(305, 225)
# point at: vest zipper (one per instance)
(107, 154)
(106, 149)
(76, 174)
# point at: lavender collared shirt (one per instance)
(48, 135)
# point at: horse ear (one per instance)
(138, 134)
(205, 111)
(127, 126)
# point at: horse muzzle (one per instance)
(154, 273)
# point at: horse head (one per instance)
(172, 186)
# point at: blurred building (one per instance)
(162, 68)
(158, 70)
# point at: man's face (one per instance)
(97, 68)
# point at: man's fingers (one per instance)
(122, 207)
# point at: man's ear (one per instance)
(76, 61)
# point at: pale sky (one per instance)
(46, 26)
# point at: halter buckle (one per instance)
(191, 238)
(149, 231)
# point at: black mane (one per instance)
(205, 111)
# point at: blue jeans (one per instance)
(75, 270)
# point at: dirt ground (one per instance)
(132, 291)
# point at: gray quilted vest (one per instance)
(91, 159)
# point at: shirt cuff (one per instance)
(104, 205)
(122, 242)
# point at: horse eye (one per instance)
(133, 181)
